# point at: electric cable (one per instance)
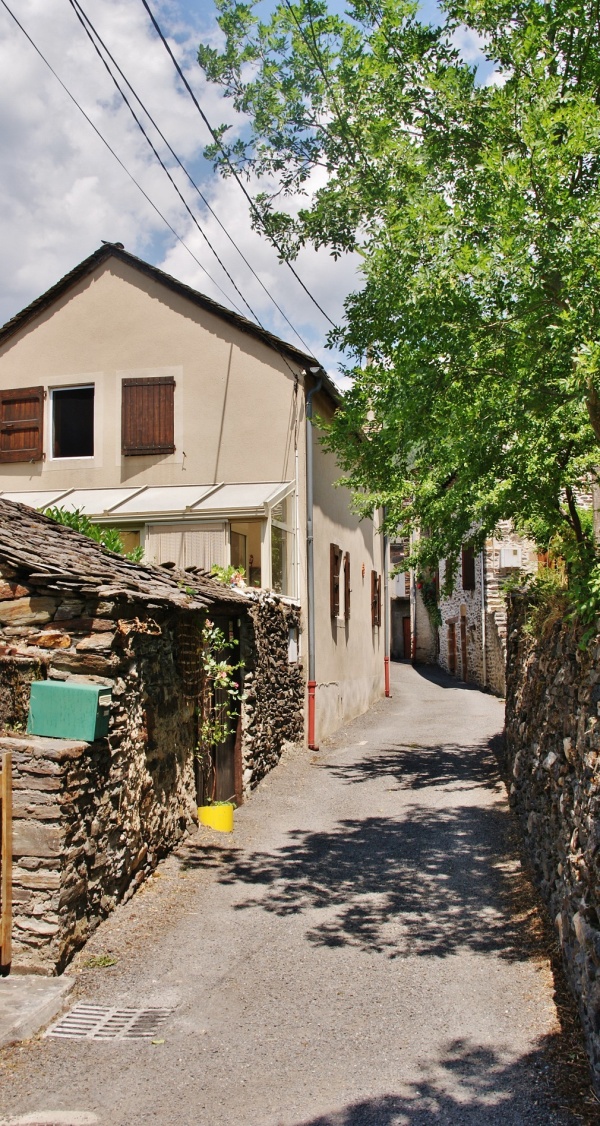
(75, 8)
(253, 208)
(117, 158)
(205, 201)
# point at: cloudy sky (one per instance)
(62, 192)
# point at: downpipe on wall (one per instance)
(310, 560)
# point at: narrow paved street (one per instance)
(357, 952)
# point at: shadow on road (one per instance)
(412, 766)
(432, 883)
(472, 1087)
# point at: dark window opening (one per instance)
(468, 568)
(73, 422)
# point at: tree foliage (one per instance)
(475, 209)
(110, 538)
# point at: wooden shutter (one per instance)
(468, 568)
(347, 585)
(375, 599)
(147, 416)
(335, 559)
(21, 424)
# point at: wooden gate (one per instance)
(6, 864)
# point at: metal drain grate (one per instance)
(97, 1022)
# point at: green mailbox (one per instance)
(69, 709)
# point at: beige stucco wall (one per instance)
(349, 655)
(233, 400)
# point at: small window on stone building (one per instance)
(347, 586)
(468, 568)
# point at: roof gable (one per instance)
(115, 250)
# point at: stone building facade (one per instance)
(472, 636)
(91, 820)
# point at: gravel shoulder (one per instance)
(366, 948)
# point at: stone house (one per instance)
(150, 407)
(91, 819)
(472, 636)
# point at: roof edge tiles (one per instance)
(112, 250)
(64, 561)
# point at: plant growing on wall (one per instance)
(229, 576)
(109, 538)
(218, 700)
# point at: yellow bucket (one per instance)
(219, 817)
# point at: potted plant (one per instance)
(217, 711)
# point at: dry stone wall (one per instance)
(273, 709)
(553, 750)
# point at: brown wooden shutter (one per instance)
(373, 598)
(347, 585)
(468, 568)
(21, 424)
(335, 559)
(147, 416)
(379, 600)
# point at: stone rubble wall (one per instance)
(274, 688)
(104, 813)
(553, 759)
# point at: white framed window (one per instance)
(282, 546)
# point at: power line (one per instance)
(113, 153)
(232, 168)
(76, 8)
(81, 14)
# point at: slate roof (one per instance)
(58, 560)
(114, 250)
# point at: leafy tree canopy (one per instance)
(476, 210)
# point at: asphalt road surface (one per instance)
(358, 952)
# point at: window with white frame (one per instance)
(283, 540)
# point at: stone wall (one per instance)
(553, 751)
(105, 811)
(273, 709)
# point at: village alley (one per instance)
(358, 952)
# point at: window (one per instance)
(73, 422)
(468, 568)
(21, 424)
(375, 599)
(282, 546)
(347, 586)
(335, 560)
(148, 416)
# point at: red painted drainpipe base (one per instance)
(312, 684)
(386, 673)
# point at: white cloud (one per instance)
(61, 191)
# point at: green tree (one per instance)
(475, 210)
(109, 538)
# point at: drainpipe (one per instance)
(386, 611)
(310, 562)
(483, 623)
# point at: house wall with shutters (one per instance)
(118, 325)
(349, 648)
(237, 406)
